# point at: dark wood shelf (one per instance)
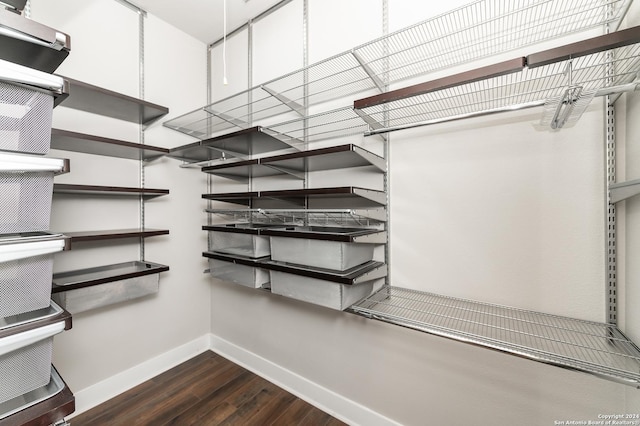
(233, 197)
(63, 188)
(328, 233)
(241, 143)
(97, 145)
(297, 163)
(372, 269)
(241, 170)
(88, 236)
(334, 197)
(94, 99)
(194, 153)
(71, 280)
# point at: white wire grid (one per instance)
(479, 29)
(593, 347)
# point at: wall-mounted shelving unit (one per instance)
(597, 66)
(478, 30)
(92, 288)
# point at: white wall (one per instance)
(112, 340)
(488, 209)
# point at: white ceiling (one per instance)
(203, 19)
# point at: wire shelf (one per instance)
(477, 30)
(327, 125)
(596, 348)
(339, 217)
(531, 86)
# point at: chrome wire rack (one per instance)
(599, 349)
(338, 217)
(596, 73)
(605, 72)
(471, 32)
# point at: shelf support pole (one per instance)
(611, 290)
(141, 17)
(611, 250)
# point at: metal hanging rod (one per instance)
(602, 92)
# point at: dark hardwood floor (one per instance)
(206, 390)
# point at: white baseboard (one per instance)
(336, 405)
(102, 391)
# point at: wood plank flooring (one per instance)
(206, 390)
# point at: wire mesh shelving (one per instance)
(597, 348)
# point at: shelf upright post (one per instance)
(250, 102)
(141, 125)
(305, 96)
(611, 273)
(385, 140)
(611, 298)
(209, 89)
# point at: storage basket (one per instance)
(25, 369)
(25, 119)
(320, 292)
(106, 294)
(245, 275)
(25, 284)
(26, 263)
(248, 245)
(25, 201)
(333, 255)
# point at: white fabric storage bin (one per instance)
(26, 268)
(25, 360)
